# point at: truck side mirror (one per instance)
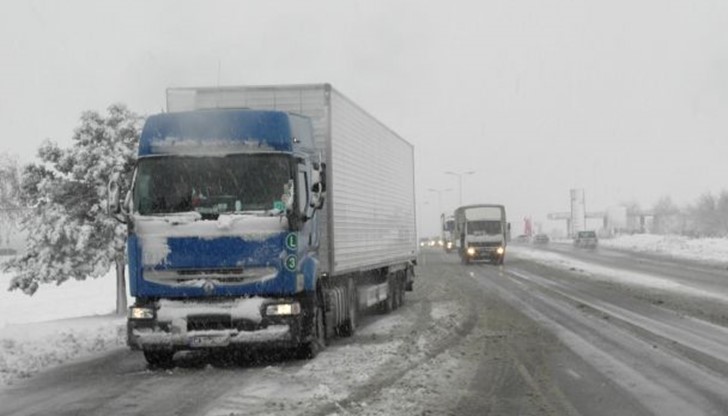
(319, 185)
(113, 203)
(317, 196)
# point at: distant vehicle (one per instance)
(586, 239)
(482, 231)
(523, 238)
(424, 242)
(447, 225)
(541, 239)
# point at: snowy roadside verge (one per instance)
(625, 277)
(55, 325)
(707, 250)
(26, 349)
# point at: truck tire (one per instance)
(310, 349)
(348, 327)
(159, 359)
(399, 292)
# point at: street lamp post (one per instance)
(460, 181)
(439, 197)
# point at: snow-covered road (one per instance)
(555, 332)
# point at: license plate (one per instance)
(201, 341)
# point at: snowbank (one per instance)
(709, 250)
(28, 348)
(622, 276)
(56, 324)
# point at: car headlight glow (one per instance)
(283, 309)
(136, 312)
(471, 251)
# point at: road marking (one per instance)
(573, 374)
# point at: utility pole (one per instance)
(460, 180)
(439, 197)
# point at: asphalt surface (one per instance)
(524, 338)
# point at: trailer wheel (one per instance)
(348, 327)
(399, 291)
(389, 304)
(159, 359)
(312, 348)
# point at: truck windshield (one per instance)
(212, 185)
(484, 227)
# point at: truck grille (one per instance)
(209, 323)
(484, 244)
(218, 323)
(232, 275)
(208, 272)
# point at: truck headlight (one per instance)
(471, 251)
(500, 250)
(283, 309)
(136, 312)
(449, 244)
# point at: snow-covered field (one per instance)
(75, 319)
(56, 324)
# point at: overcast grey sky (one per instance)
(627, 99)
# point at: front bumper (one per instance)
(213, 327)
(156, 338)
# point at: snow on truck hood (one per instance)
(154, 231)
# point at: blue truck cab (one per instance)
(222, 233)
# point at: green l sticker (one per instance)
(292, 241)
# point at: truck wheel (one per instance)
(348, 327)
(312, 348)
(400, 289)
(159, 359)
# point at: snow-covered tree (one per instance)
(10, 207)
(722, 213)
(668, 219)
(70, 235)
(705, 216)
